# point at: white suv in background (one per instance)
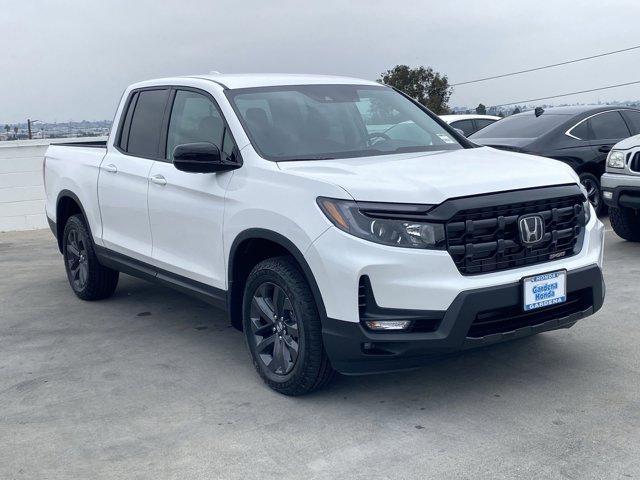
(621, 188)
(341, 224)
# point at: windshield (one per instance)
(522, 126)
(318, 122)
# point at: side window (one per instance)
(483, 122)
(126, 125)
(194, 118)
(465, 125)
(581, 131)
(608, 125)
(146, 123)
(633, 120)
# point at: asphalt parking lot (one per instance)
(154, 384)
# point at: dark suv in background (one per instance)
(580, 136)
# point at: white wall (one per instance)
(21, 187)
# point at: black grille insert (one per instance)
(487, 239)
(634, 164)
(511, 318)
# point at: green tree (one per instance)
(481, 109)
(515, 110)
(7, 128)
(423, 84)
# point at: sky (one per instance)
(71, 59)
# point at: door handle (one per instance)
(159, 180)
(111, 168)
(605, 148)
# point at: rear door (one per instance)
(186, 209)
(632, 117)
(607, 129)
(124, 175)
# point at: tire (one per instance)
(591, 183)
(89, 279)
(277, 286)
(626, 223)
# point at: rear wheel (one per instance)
(592, 185)
(283, 330)
(626, 223)
(89, 279)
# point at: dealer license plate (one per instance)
(545, 290)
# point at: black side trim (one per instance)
(137, 268)
(89, 144)
(261, 233)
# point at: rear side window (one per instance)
(465, 125)
(523, 125)
(633, 120)
(580, 131)
(483, 122)
(608, 125)
(146, 123)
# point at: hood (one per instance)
(513, 144)
(628, 143)
(433, 177)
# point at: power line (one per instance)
(545, 66)
(567, 94)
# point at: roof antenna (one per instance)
(538, 111)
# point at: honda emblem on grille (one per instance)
(531, 229)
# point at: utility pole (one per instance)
(29, 123)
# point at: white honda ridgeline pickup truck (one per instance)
(342, 225)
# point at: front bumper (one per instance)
(355, 350)
(621, 190)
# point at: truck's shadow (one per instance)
(490, 373)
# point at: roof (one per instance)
(577, 109)
(248, 80)
(472, 116)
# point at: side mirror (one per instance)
(461, 132)
(201, 157)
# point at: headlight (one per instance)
(346, 215)
(615, 159)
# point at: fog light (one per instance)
(607, 195)
(388, 324)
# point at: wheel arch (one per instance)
(252, 246)
(67, 205)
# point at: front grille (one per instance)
(634, 163)
(513, 317)
(487, 239)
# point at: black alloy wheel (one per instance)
(77, 259)
(89, 279)
(592, 186)
(274, 329)
(282, 328)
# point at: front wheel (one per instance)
(626, 223)
(282, 328)
(592, 185)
